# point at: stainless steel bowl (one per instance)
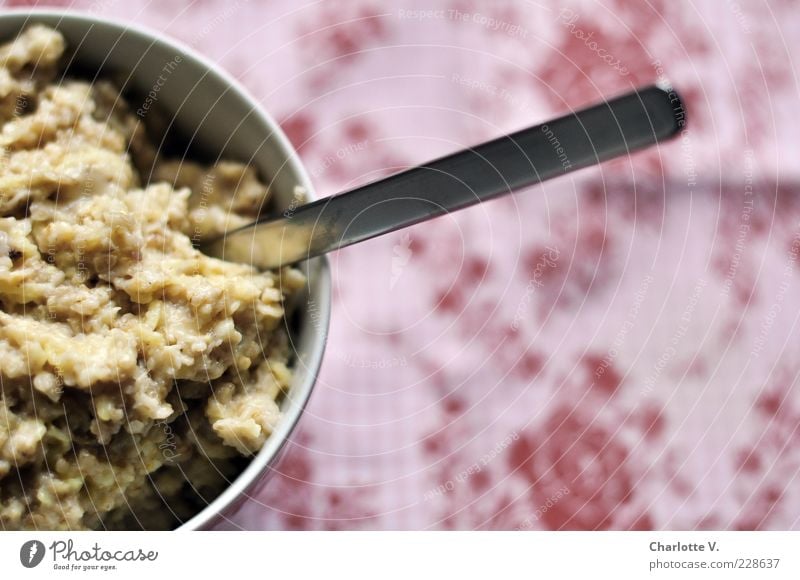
(210, 110)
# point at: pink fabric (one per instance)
(616, 349)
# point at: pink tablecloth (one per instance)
(618, 349)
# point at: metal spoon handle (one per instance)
(589, 136)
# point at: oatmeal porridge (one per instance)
(136, 373)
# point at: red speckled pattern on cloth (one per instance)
(617, 349)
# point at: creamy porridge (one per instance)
(137, 374)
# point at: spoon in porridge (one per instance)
(613, 128)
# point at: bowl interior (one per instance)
(202, 112)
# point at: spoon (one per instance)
(586, 137)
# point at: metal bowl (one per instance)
(204, 107)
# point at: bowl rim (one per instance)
(240, 487)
